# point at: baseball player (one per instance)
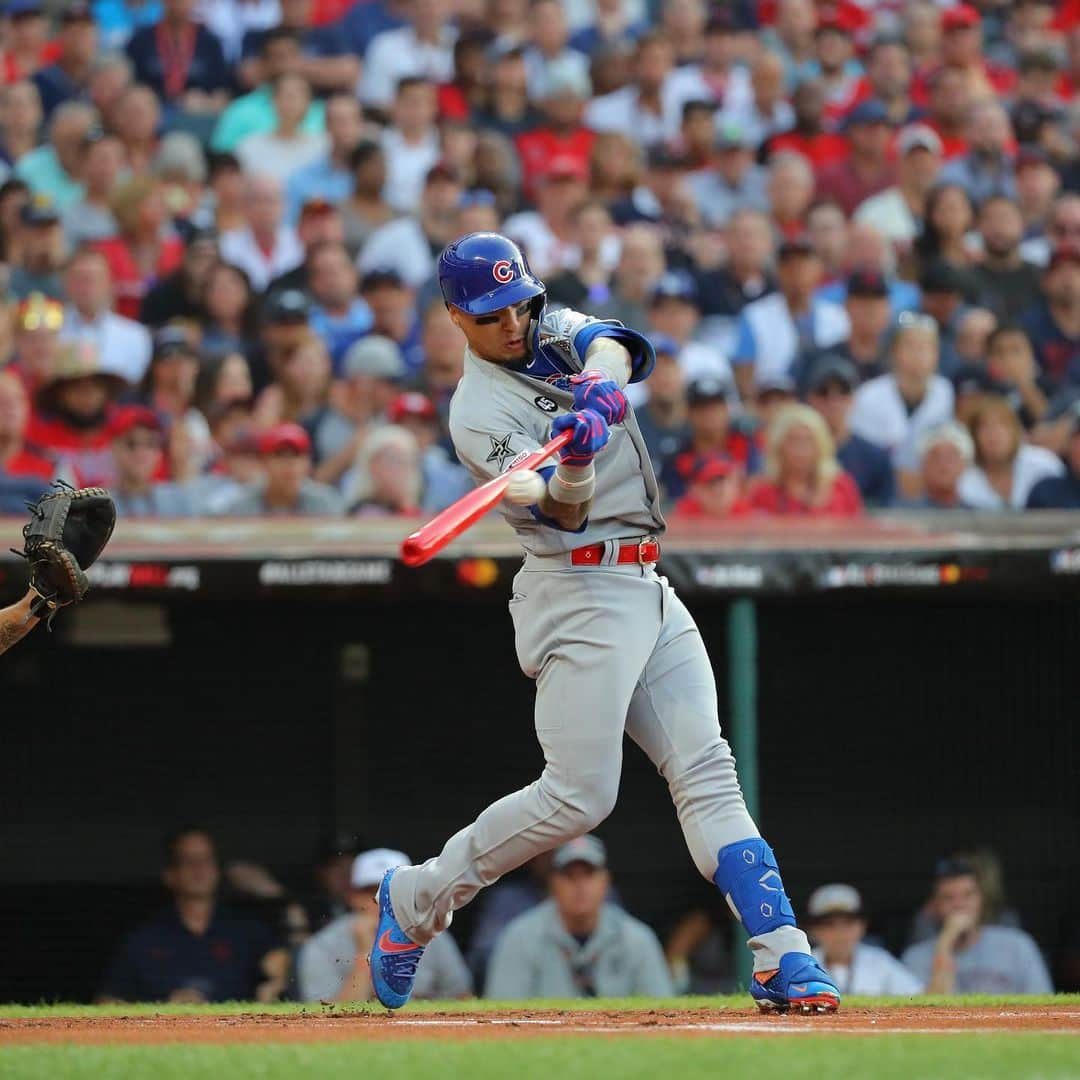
(67, 531)
(610, 645)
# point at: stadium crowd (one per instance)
(851, 230)
(555, 929)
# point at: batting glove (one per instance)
(594, 390)
(590, 436)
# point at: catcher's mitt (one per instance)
(67, 531)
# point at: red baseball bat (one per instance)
(431, 538)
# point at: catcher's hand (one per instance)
(67, 531)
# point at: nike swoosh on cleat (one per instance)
(388, 945)
(801, 989)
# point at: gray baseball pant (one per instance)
(612, 650)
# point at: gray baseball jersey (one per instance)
(499, 414)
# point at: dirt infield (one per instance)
(332, 1025)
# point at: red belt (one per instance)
(647, 551)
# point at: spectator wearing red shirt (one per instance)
(715, 491)
(802, 476)
(465, 92)
(38, 320)
(949, 105)
(868, 130)
(887, 78)
(840, 70)
(28, 48)
(808, 137)
(72, 412)
(16, 459)
(708, 412)
(561, 136)
(962, 47)
(144, 251)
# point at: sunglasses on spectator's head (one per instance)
(915, 320)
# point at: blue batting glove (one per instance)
(590, 436)
(594, 390)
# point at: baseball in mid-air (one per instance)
(525, 488)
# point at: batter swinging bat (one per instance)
(431, 538)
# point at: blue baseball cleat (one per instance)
(800, 984)
(393, 957)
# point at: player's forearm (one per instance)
(570, 516)
(16, 622)
(569, 495)
(607, 355)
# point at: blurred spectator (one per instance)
(388, 477)
(54, 169)
(589, 282)
(732, 182)
(947, 225)
(266, 247)
(77, 42)
(708, 404)
(675, 313)
(72, 410)
(301, 386)
(774, 329)
(1061, 492)
(40, 251)
(549, 52)
(20, 121)
(611, 24)
(1005, 468)
(144, 250)
(237, 466)
(37, 335)
(898, 211)
(893, 410)
(393, 311)
(288, 487)
(231, 313)
(170, 391)
(338, 315)
(365, 209)
(407, 244)
(547, 234)
(180, 294)
(986, 169)
(320, 223)
(714, 491)
(830, 384)
(421, 49)
(180, 164)
(808, 136)
(27, 46)
(968, 956)
(16, 458)
(507, 110)
(135, 120)
(230, 20)
(766, 113)
(888, 78)
(1037, 187)
(837, 927)
(410, 143)
(91, 217)
(1062, 230)
(945, 294)
(827, 231)
(330, 176)
(945, 453)
(444, 480)
(790, 191)
(137, 450)
(1010, 371)
(123, 344)
(1003, 282)
(194, 951)
(662, 418)
(867, 306)
(802, 475)
(253, 113)
(1053, 324)
(576, 944)
(640, 265)
(443, 348)
(332, 965)
(181, 60)
(224, 379)
(868, 170)
(287, 148)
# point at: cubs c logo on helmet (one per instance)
(502, 271)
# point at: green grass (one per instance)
(993, 1057)
(729, 1001)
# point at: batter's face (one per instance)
(501, 337)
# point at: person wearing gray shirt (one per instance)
(576, 944)
(967, 957)
(332, 965)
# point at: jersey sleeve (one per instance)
(489, 453)
(576, 332)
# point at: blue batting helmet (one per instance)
(484, 272)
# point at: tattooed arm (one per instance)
(16, 622)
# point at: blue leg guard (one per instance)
(749, 878)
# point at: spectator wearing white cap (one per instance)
(577, 944)
(946, 452)
(837, 927)
(898, 211)
(332, 965)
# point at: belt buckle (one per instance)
(649, 540)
